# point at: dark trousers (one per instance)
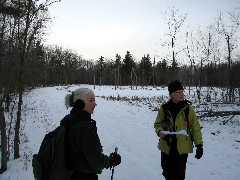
(77, 175)
(174, 165)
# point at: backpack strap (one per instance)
(166, 123)
(69, 120)
(186, 113)
(166, 120)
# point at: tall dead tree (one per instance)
(229, 29)
(174, 21)
(117, 72)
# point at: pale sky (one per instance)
(95, 28)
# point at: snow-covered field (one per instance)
(125, 120)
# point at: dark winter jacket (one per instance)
(83, 148)
(171, 117)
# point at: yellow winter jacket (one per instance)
(184, 143)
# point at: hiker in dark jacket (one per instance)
(83, 150)
(175, 147)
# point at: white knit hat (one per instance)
(80, 93)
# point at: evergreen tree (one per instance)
(127, 67)
(117, 68)
(145, 68)
(162, 71)
(101, 65)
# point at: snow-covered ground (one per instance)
(125, 120)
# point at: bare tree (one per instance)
(174, 20)
(230, 32)
(30, 21)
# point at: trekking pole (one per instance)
(116, 149)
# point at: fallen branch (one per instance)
(219, 113)
(226, 121)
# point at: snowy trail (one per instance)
(130, 128)
(135, 137)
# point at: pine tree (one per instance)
(128, 65)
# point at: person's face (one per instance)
(177, 96)
(90, 103)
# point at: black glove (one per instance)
(115, 159)
(199, 151)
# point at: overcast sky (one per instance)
(95, 28)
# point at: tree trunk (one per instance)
(118, 76)
(23, 51)
(173, 62)
(3, 141)
(94, 81)
(115, 79)
(231, 89)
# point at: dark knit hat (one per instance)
(174, 86)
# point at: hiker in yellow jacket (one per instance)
(178, 128)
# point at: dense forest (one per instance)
(211, 58)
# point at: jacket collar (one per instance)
(80, 113)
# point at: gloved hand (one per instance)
(115, 159)
(199, 151)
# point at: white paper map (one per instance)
(183, 132)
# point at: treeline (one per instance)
(211, 58)
(55, 65)
(48, 66)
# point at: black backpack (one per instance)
(49, 163)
